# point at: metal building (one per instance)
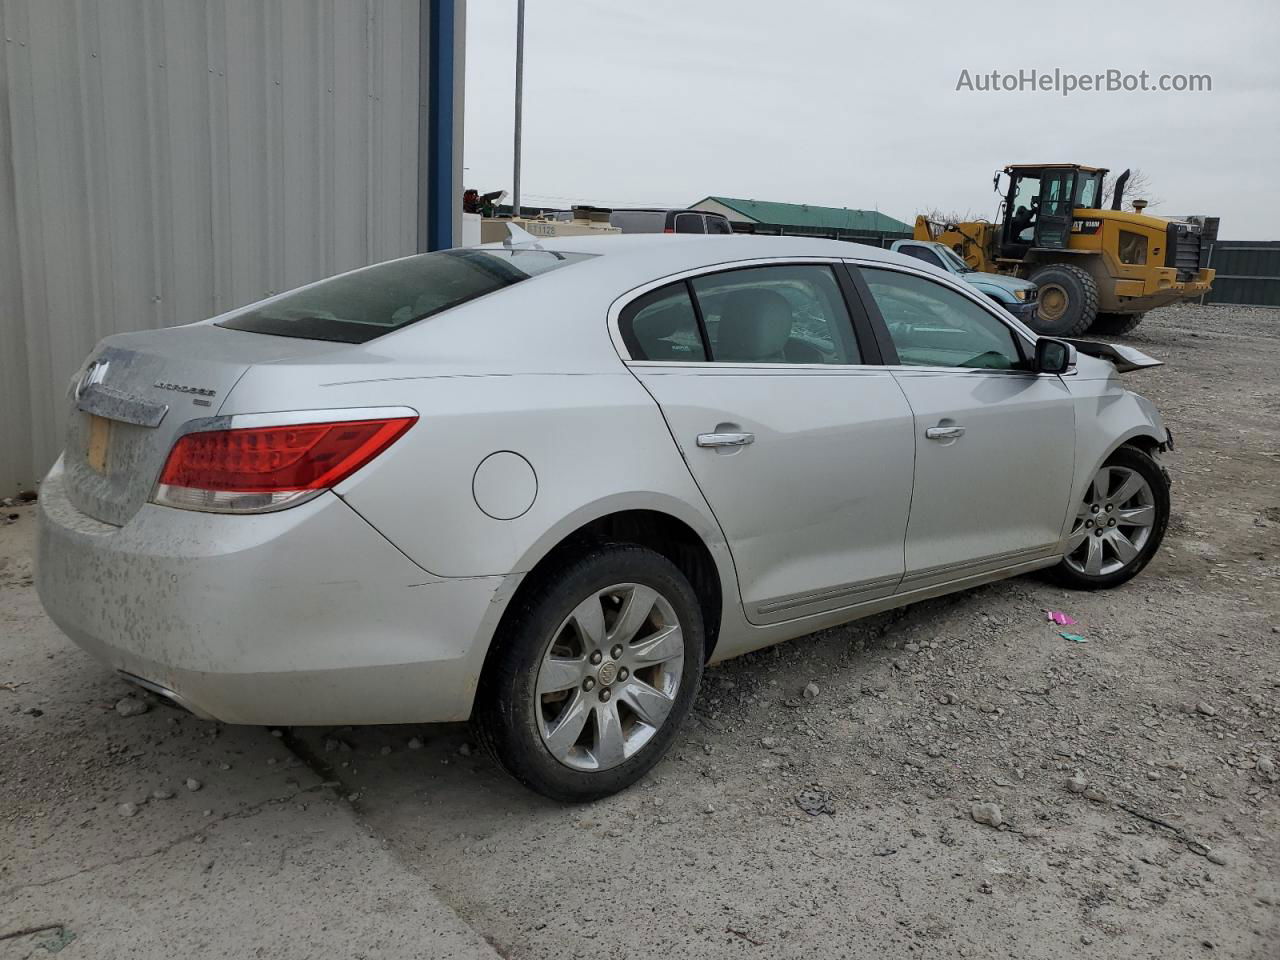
(162, 161)
(806, 220)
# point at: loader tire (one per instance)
(1115, 324)
(1068, 300)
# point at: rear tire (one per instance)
(1119, 523)
(1115, 324)
(1068, 300)
(593, 673)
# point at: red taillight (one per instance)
(668, 230)
(256, 468)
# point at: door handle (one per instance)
(725, 439)
(944, 433)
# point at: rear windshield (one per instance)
(359, 306)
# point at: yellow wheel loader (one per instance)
(1096, 268)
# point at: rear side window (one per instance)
(689, 223)
(718, 225)
(783, 314)
(357, 307)
(662, 325)
(638, 221)
(921, 253)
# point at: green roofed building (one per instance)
(802, 219)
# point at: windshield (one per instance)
(954, 260)
(357, 307)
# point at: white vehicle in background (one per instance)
(541, 485)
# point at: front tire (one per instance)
(1119, 523)
(1068, 300)
(593, 674)
(1116, 324)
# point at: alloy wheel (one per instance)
(609, 677)
(1113, 522)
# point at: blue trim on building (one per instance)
(440, 123)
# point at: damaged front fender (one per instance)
(1121, 357)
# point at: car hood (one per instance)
(1000, 280)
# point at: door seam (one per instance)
(915, 463)
(733, 561)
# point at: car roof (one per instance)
(565, 303)
(635, 258)
(1055, 166)
(705, 213)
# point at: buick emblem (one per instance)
(95, 372)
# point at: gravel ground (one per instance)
(1170, 850)
(131, 830)
(1131, 780)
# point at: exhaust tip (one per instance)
(164, 693)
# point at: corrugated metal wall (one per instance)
(1248, 272)
(164, 160)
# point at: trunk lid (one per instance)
(131, 401)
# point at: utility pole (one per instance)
(515, 178)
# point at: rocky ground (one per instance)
(132, 831)
(953, 779)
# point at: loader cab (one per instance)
(1040, 204)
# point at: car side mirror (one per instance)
(1054, 356)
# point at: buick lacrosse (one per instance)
(540, 485)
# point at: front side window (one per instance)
(1023, 209)
(933, 326)
(955, 261)
(783, 314)
(662, 325)
(1057, 188)
(358, 306)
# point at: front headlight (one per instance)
(1020, 294)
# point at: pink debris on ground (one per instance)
(1060, 618)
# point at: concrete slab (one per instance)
(263, 859)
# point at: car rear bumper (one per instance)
(306, 616)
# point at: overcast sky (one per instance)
(662, 102)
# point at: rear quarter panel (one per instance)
(596, 442)
(531, 371)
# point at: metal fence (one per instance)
(1248, 272)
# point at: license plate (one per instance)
(99, 443)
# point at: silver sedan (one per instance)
(541, 485)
